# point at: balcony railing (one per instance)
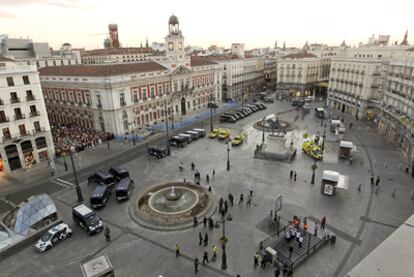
(14, 100)
(4, 119)
(99, 105)
(35, 113)
(19, 116)
(39, 130)
(123, 103)
(30, 98)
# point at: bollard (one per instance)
(393, 193)
(412, 195)
(359, 187)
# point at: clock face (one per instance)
(170, 46)
(180, 46)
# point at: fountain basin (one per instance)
(183, 199)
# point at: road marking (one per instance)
(8, 202)
(63, 183)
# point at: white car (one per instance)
(52, 237)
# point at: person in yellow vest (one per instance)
(214, 252)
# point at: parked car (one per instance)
(233, 114)
(178, 141)
(294, 102)
(118, 172)
(100, 177)
(214, 133)
(201, 132)
(53, 236)
(261, 106)
(238, 140)
(306, 107)
(87, 219)
(212, 105)
(124, 189)
(268, 100)
(241, 115)
(223, 134)
(227, 118)
(100, 196)
(308, 99)
(253, 108)
(193, 134)
(188, 138)
(157, 151)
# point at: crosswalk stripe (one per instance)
(62, 183)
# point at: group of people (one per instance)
(80, 138)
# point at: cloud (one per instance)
(6, 14)
(72, 4)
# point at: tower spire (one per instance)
(146, 43)
(405, 40)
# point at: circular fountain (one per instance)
(171, 205)
(271, 123)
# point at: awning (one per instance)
(346, 144)
(343, 182)
(329, 175)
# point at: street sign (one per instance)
(278, 204)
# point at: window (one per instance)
(122, 99)
(125, 125)
(10, 81)
(22, 130)
(152, 92)
(26, 80)
(144, 94)
(3, 117)
(36, 126)
(29, 95)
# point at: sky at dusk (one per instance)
(83, 23)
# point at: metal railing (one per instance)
(14, 100)
(35, 113)
(4, 119)
(30, 98)
(19, 116)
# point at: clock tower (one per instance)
(174, 41)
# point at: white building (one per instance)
(25, 130)
(38, 53)
(124, 97)
(237, 49)
(117, 55)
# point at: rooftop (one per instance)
(301, 55)
(101, 70)
(118, 51)
(4, 59)
(198, 61)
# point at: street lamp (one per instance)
(324, 137)
(166, 126)
(78, 188)
(211, 113)
(263, 135)
(223, 241)
(228, 156)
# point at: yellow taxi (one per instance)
(312, 150)
(239, 139)
(214, 133)
(223, 134)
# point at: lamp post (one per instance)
(223, 240)
(313, 171)
(324, 137)
(242, 98)
(75, 175)
(228, 156)
(166, 127)
(211, 113)
(263, 134)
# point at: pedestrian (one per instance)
(323, 222)
(107, 234)
(208, 179)
(277, 272)
(249, 201)
(231, 199)
(192, 166)
(378, 181)
(285, 270)
(195, 222)
(214, 172)
(271, 216)
(256, 260)
(291, 174)
(177, 251)
(294, 176)
(205, 240)
(251, 191)
(205, 258)
(196, 263)
(290, 273)
(300, 241)
(290, 251)
(214, 252)
(180, 167)
(200, 239)
(350, 125)
(241, 199)
(221, 202)
(372, 179)
(263, 263)
(315, 232)
(226, 206)
(210, 223)
(205, 221)
(350, 161)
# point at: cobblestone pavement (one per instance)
(360, 219)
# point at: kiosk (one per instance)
(331, 181)
(345, 149)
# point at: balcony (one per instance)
(39, 130)
(99, 106)
(19, 116)
(34, 113)
(123, 103)
(30, 98)
(15, 100)
(1, 102)
(4, 119)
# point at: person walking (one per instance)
(177, 251)
(294, 176)
(205, 258)
(226, 206)
(231, 198)
(241, 199)
(107, 234)
(291, 174)
(263, 263)
(221, 202)
(200, 238)
(214, 252)
(378, 181)
(205, 221)
(372, 179)
(271, 216)
(214, 172)
(323, 222)
(256, 260)
(208, 179)
(196, 263)
(290, 251)
(180, 167)
(350, 161)
(195, 222)
(251, 190)
(300, 242)
(285, 270)
(205, 240)
(249, 201)
(277, 272)
(192, 166)
(210, 223)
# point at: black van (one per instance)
(157, 151)
(124, 189)
(178, 141)
(119, 172)
(87, 219)
(100, 177)
(227, 118)
(100, 196)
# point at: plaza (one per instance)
(360, 219)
